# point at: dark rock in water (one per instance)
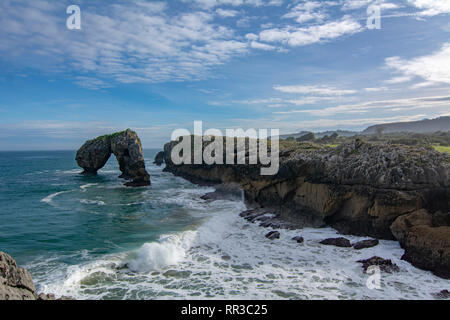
(272, 235)
(16, 283)
(127, 148)
(384, 264)
(426, 247)
(225, 191)
(94, 154)
(298, 239)
(366, 244)
(159, 159)
(444, 294)
(338, 242)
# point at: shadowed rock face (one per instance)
(94, 154)
(358, 188)
(127, 148)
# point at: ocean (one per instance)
(93, 238)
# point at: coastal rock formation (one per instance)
(358, 188)
(94, 154)
(16, 283)
(127, 148)
(159, 159)
(426, 245)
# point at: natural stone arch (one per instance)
(126, 147)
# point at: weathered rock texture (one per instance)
(358, 188)
(127, 148)
(16, 283)
(426, 244)
(159, 159)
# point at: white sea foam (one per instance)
(88, 185)
(96, 202)
(168, 251)
(228, 258)
(49, 199)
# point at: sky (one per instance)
(156, 66)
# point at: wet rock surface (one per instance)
(127, 148)
(338, 242)
(273, 235)
(426, 245)
(299, 239)
(385, 265)
(366, 244)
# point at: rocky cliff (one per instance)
(16, 283)
(127, 148)
(358, 188)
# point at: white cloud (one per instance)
(314, 90)
(434, 68)
(431, 7)
(227, 13)
(125, 43)
(394, 105)
(295, 37)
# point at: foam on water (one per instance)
(49, 199)
(228, 258)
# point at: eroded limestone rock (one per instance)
(127, 148)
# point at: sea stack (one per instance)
(127, 148)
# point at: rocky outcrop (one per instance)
(16, 283)
(337, 242)
(94, 154)
(426, 244)
(385, 265)
(159, 159)
(358, 188)
(127, 148)
(366, 244)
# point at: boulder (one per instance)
(159, 159)
(338, 242)
(426, 246)
(366, 244)
(127, 148)
(298, 239)
(272, 235)
(15, 282)
(444, 294)
(385, 265)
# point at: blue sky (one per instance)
(156, 66)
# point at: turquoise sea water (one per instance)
(93, 238)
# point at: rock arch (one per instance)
(126, 147)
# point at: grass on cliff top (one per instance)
(442, 149)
